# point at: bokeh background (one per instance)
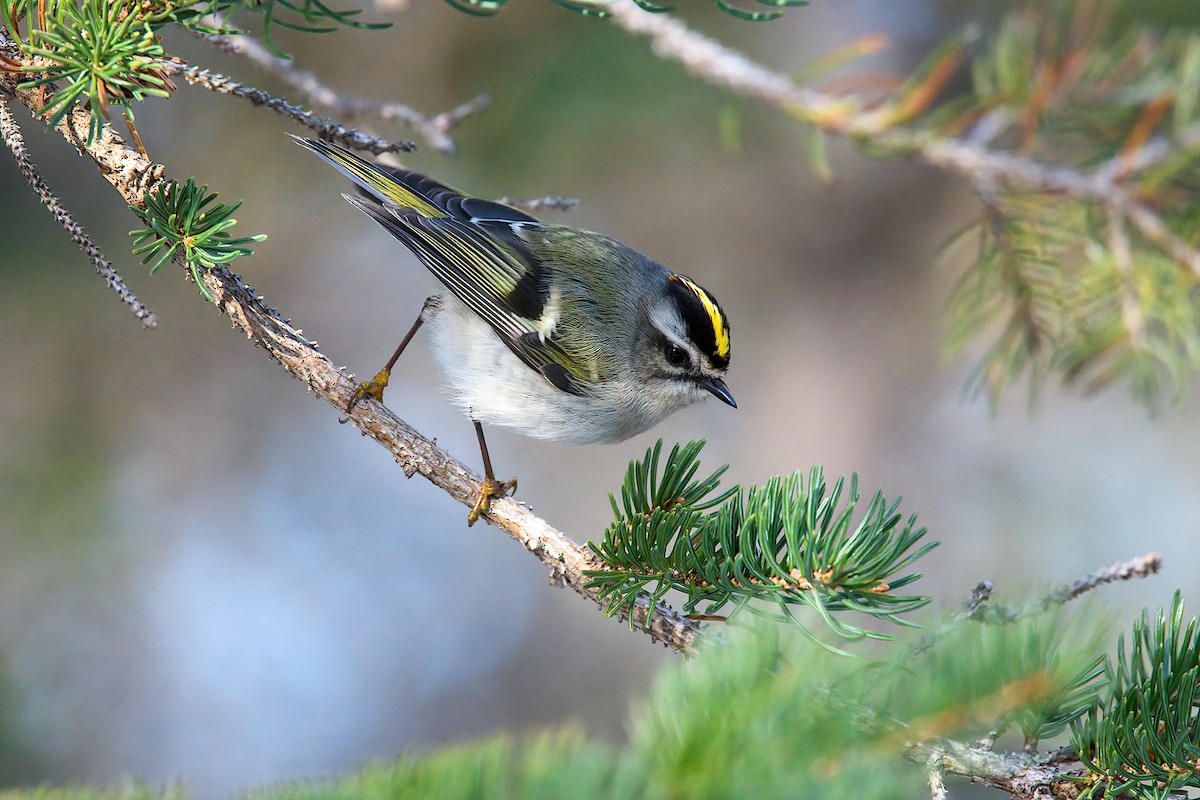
(204, 578)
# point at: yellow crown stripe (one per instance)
(714, 314)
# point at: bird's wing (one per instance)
(472, 247)
(485, 265)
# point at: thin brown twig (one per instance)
(326, 128)
(1140, 567)
(979, 607)
(16, 145)
(434, 130)
(1134, 568)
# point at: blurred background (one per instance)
(205, 579)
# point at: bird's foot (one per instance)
(372, 388)
(491, 490)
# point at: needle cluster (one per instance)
(773, 549)
(98, 53)
(183, 218)
(1143, 739)
(1094, 279)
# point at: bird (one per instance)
(557, 332)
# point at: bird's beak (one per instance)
(719, 390)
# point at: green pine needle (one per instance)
(1143, 740)
(182, 218)
(98, 53)
(771, 549)
(1039, 672)
(305, 16)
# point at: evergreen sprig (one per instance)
(644, 491)
(1143, 740)
(786, 544)
(96, 52)
(182, 218)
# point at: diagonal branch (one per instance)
(326, 128)
(1134, 568)
(134, 176)
(980, 608)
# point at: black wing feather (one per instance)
(498, 279)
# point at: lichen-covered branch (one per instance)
(1023, 776)
(326, 128)
(1140, 567)
(970, 156)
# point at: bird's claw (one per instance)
(491, 490)
(372, 388)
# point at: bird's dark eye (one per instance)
(677, 356)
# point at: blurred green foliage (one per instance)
(763, 714)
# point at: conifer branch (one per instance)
(134, 177)
(979, 608)
(969, 155)
(16, 145)
(1133, 569)
(1143, 738)
(325, 128)
(1023, 776)
(787, 544)
(183, 219)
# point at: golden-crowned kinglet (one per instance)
(560, 333)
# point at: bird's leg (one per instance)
(491, 489)
(374, 387)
